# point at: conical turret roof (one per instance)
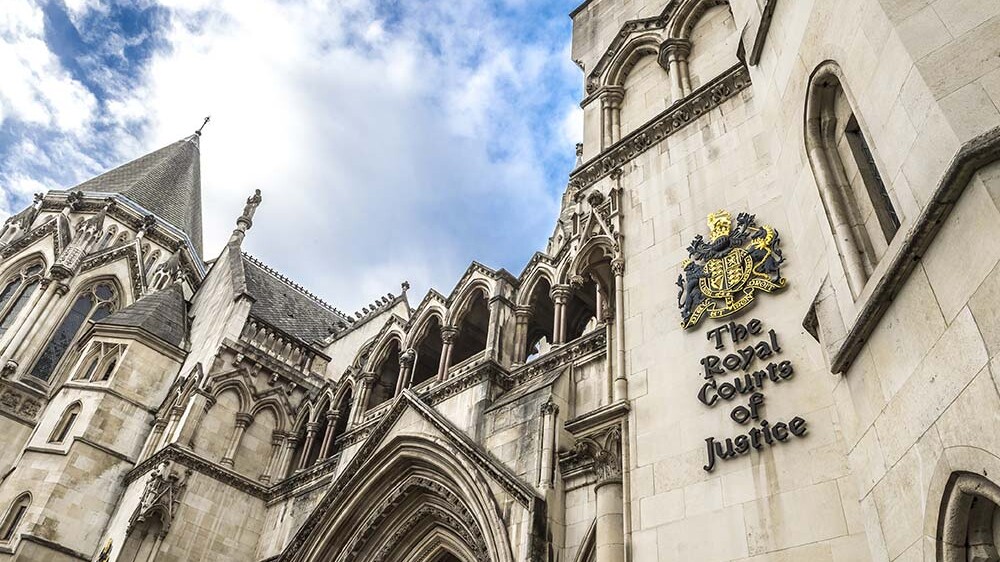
(166, 182)
(162, 314)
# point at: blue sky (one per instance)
(391, 140)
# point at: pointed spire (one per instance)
(203, 123)
(165, 182)
(245, 221)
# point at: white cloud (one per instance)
(388, 146)
(35, 88)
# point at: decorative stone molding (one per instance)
(161, 496)
(593, 343)
(20, 403)
(701, 101)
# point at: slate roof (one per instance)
(167, 182)
(162, 314)
(288, 306)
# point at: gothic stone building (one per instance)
(765, 327)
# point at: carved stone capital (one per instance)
(673, 50)
(449, 334)
(612, 96)
(368, 380)
(523, 313)
(618, 266)
(560, 293)
(407, 357)
(576, 281)
(549, 408)
(243, 420)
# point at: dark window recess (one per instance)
(877, 193)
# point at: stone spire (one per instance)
(166, 182)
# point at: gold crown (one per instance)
(720, 223)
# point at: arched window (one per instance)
(108, 236)
(100, 361)
(65, 424)
(428, 359)
(857, 201)
(122, 238)
(14, 516)
(16, 293)
(386, 375)
(473, 327)
(92, 304)
(151, 261)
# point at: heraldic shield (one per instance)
(722, 276)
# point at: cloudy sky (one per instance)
(391, 140)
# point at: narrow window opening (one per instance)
(14, 517)
(877, 192)
(62, 430)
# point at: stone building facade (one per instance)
(766, 327)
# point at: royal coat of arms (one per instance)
(722, 275)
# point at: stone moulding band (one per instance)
(674, 118)
(971, 157)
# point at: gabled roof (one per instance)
(166, 182)
(162, 314)
(288, 306)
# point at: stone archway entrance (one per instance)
(969, 523)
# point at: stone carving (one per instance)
(600, 452)
(161, 496)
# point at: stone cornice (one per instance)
(975, 154)
(674, 118)
(104, 389)
(593, 343)
(596, 419)
(189, 459)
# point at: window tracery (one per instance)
(92, 304)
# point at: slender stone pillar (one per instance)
(610, 532)
(546, 476)
(286, 460)
(331, 427)
(448, 335)
(405, 369)
(673, 58)
(243, 421)
(361, 404)
(159, 425)
(311, 429)
(560, 296)
(493, 328)
(183, 427)
(611, 105)
(272, 460)
(621, 383)
(522, 317)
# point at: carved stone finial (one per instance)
(406, 286)
(245, 221)
(579, 154)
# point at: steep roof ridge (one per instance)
(292, 284)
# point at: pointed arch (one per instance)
(412, 480)
(15, 514)
(242, 391)
(65, 423)
(425, 337)
(465, 299)
(688, 15)
(277, 407)
(634, 50)
(539, 273)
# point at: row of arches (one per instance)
(656, 65)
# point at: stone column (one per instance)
(242, 422)
(560, 296)
(331, 427)
(153, 441)
(673, 58)
(448, 335)
(405, 369)
(621, 383)
(493, 328)
(610, 532)
(182, 429)
(522, 317)
(546, 476)
(361, 404)
(311, 429)
(286, 461)
(276, 439)
(611, 106)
